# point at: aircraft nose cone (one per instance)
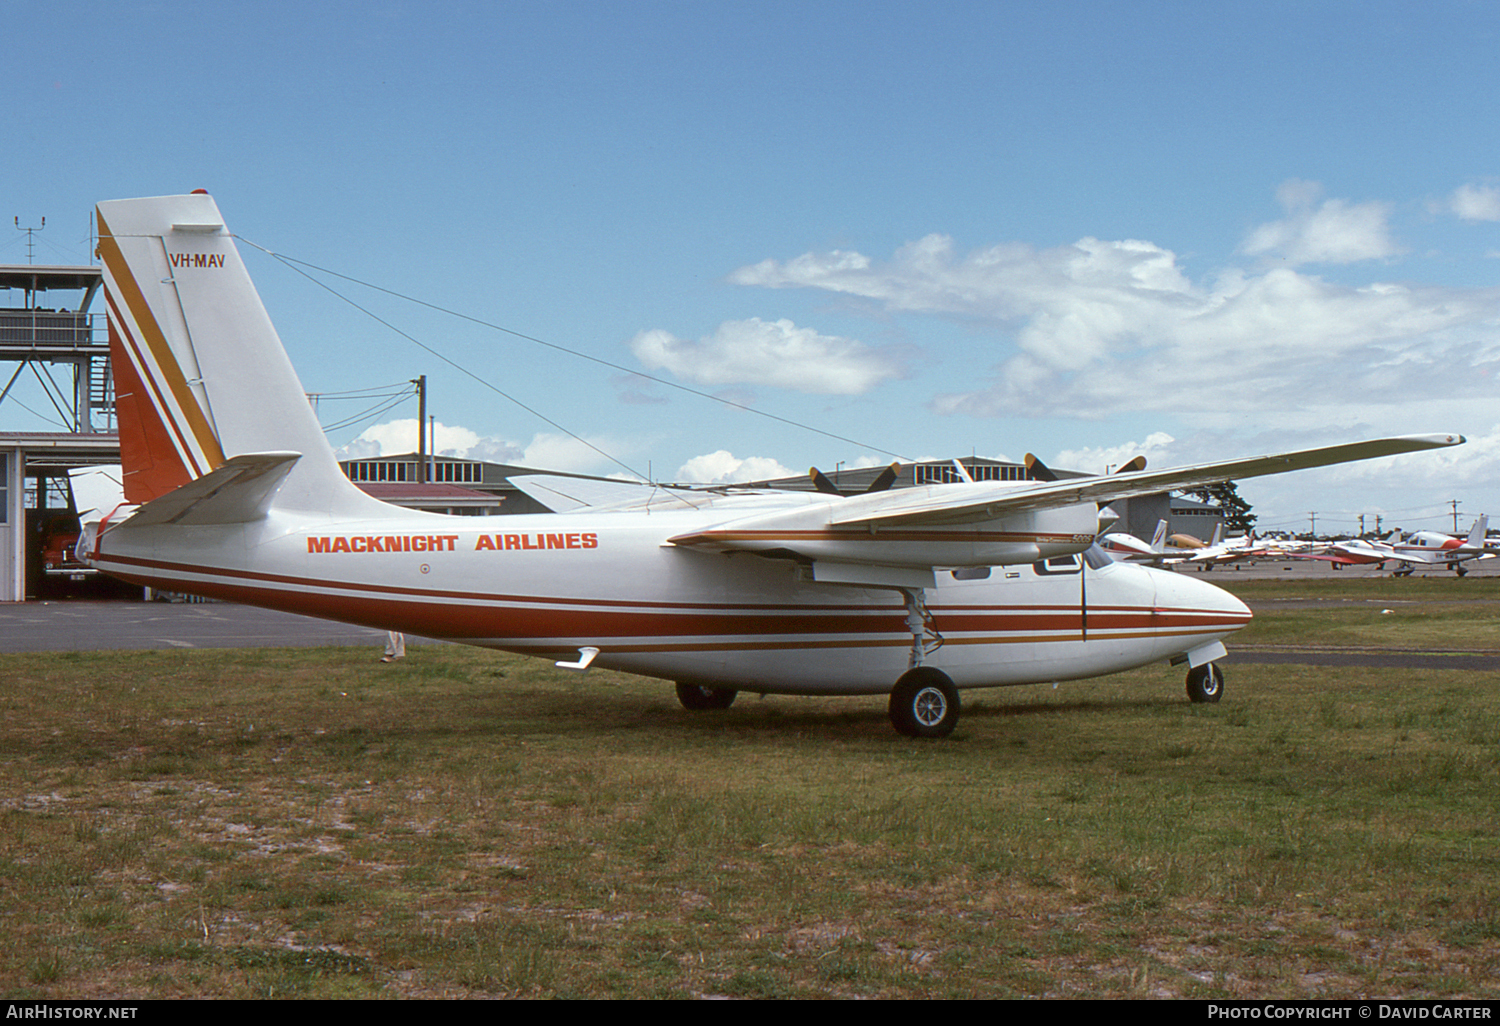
(1212, 608)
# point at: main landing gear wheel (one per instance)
(1205, 683)
(697, 697)
(924, 703)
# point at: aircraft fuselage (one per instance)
(549, 585)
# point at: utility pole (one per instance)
(1313, 528)
(1454, 504)
(421, 384)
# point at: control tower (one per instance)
(45, 322)
(49, 338)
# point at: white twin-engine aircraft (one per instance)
(915, 592)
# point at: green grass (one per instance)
(294, 823)
(1440, 614)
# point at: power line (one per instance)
(426, 348)
(289, 261)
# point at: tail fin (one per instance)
(1218, 538)
(1159, 539)
(200, 374)
(1477, 532)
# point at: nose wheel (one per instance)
(1205, 683)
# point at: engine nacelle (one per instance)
(806, 533)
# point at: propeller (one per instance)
(883, 480)
(1036, 470)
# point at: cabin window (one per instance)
(1057, 565)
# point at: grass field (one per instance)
(310, 823)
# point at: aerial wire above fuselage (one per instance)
(298, 265)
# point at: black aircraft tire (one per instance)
(924, 703)
(1205, 683)
(699, 698)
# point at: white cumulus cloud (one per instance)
(1156, 448)
(1100, 328)
(545, 451)
(1476, 202)
(395, 437)
(723, 467)
(1331, 232)
(1071, 303)
(776, 353)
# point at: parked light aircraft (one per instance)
(1423, 548)
(914, 592)
(1219, 550)
(1127, 548)
(1354, 552)
(1431, 548)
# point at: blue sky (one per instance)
(1082, 230)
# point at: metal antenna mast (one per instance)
(30, 240)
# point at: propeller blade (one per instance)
(821, 483)
(886, 478)
(1036, 470)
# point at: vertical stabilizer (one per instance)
(200, 374)
(1477, 532)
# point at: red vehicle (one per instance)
(59, 536)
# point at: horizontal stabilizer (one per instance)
(238, 491)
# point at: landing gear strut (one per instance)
(1205, 683)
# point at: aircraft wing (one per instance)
(988, 523)
(956, 504)
(1336, 558)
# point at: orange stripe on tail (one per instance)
(165, 437)
(152, 467)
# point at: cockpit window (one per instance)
(1096, 558)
